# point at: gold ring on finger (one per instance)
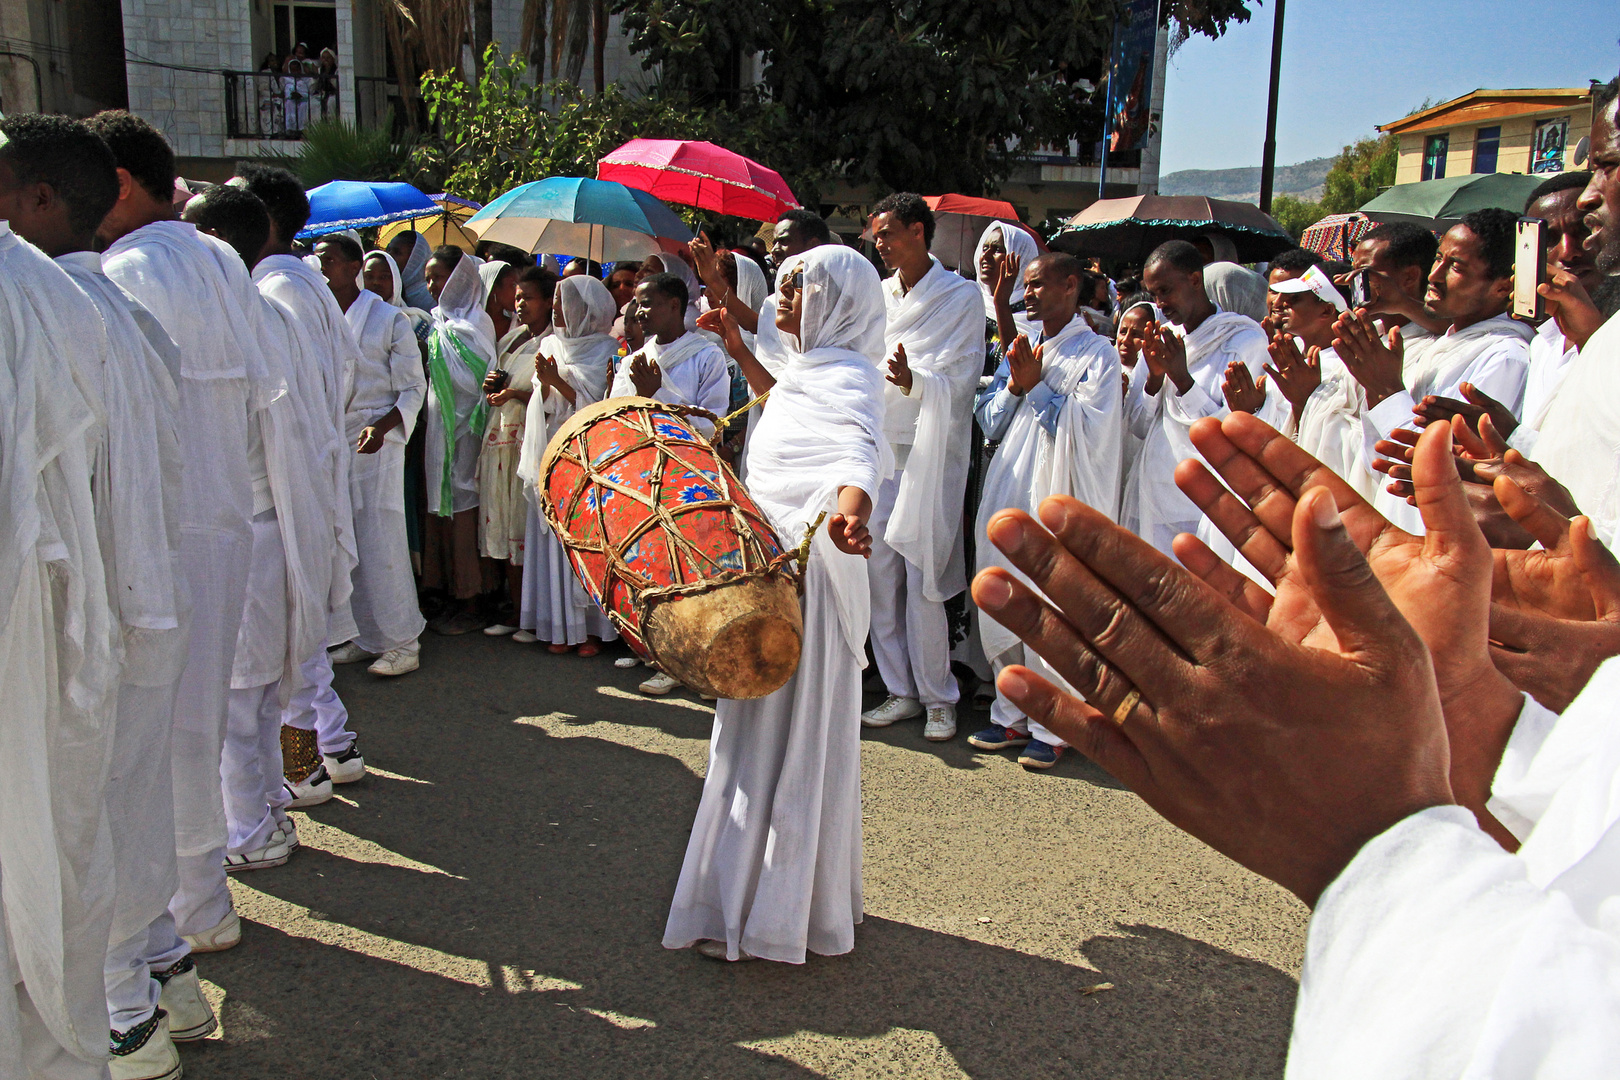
(1124, 708)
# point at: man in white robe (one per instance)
(1471, 287)
(1186, 367)
(65, 180)
(1054, 413)
(934, 338)
(674, 365)
(387, 393)
(200, 293)
(314, 713)
(59, 670)
(1551, 350)
(773, 867)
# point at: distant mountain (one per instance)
(1303, 181)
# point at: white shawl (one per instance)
(1579, 443)
(939, 324)
(584, 351)
(1082, 461)
(1018, 243)
(823, 424)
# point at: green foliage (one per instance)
(923, 95)
(337, 150)
(1296, 215)
(1360, 172)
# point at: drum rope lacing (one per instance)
(790, 561)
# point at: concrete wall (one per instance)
(187, 106)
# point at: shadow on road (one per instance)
(494, 908)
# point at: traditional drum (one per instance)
(666, 540)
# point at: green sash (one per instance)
(444, 390)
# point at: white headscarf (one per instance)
(461, 307)
(490, 274)
(843, 307)
(1231, 287)
(584, 352)
(417, 294)
(1020, 244)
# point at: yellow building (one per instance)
(1487, 131)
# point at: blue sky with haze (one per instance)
(1351, 64)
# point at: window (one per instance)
(1486, 142)
(1547, 146)
(1434, 156)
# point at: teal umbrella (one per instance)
(1435, 202)
(572, 215)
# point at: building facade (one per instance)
(1490, 131)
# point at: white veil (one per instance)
(1018, 243)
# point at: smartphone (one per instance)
(1361, 289)
(497, 380)
(1530, 269)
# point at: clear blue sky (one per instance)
(1349, 65)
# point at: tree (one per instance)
(506, 131)
(1360, 172)
(929, 95)
(1296, 215)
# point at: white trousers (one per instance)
(910, 633)
(1008, 715)
(132, 993)
(316, 707)
(250, 773)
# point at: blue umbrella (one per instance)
(352, 204)
(596, 219)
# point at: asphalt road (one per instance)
(489, 903)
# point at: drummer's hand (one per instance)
(900, 369)
(645, 374)
(847, 528)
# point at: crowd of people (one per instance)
(290, 86)
(1316, 559)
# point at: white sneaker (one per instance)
(349, 653)
(941, 725)
(148, 1055)
(893, 708)
(226, 934)
(274, 853)
(500, 630)
(524, 637)
(311, 791)
(289, 834)
(658, 684)
(190, 1016)
(396, 662)
(346, 767)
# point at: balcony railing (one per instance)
(265, 105)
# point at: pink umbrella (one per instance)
(699, 174)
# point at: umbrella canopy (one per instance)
(1130, 229)
(571, 215)
(1336, 236)
(442, 227)
(1433, 202)
(959, 221)
(700, 174)
(351, 204)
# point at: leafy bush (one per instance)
(337, 150)
(1360, 172)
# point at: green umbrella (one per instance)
(1432, 202)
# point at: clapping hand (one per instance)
(708, 262)
(1023, 366)
(1375, 362)
(1242, 392)
(645, 375)
(899, 369)
(721, 321)
(1005, 279)
(1439, 582)
(1166, 356)
(1297, 376)
(1478, 404)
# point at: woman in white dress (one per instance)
(773, 867)
(570, 372)
(502, 509)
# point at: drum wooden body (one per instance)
(666, 540)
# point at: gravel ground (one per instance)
(489, 903)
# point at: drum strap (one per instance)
(444, 390)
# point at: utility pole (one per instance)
(1268, 160)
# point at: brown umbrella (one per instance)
(1129, 229)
